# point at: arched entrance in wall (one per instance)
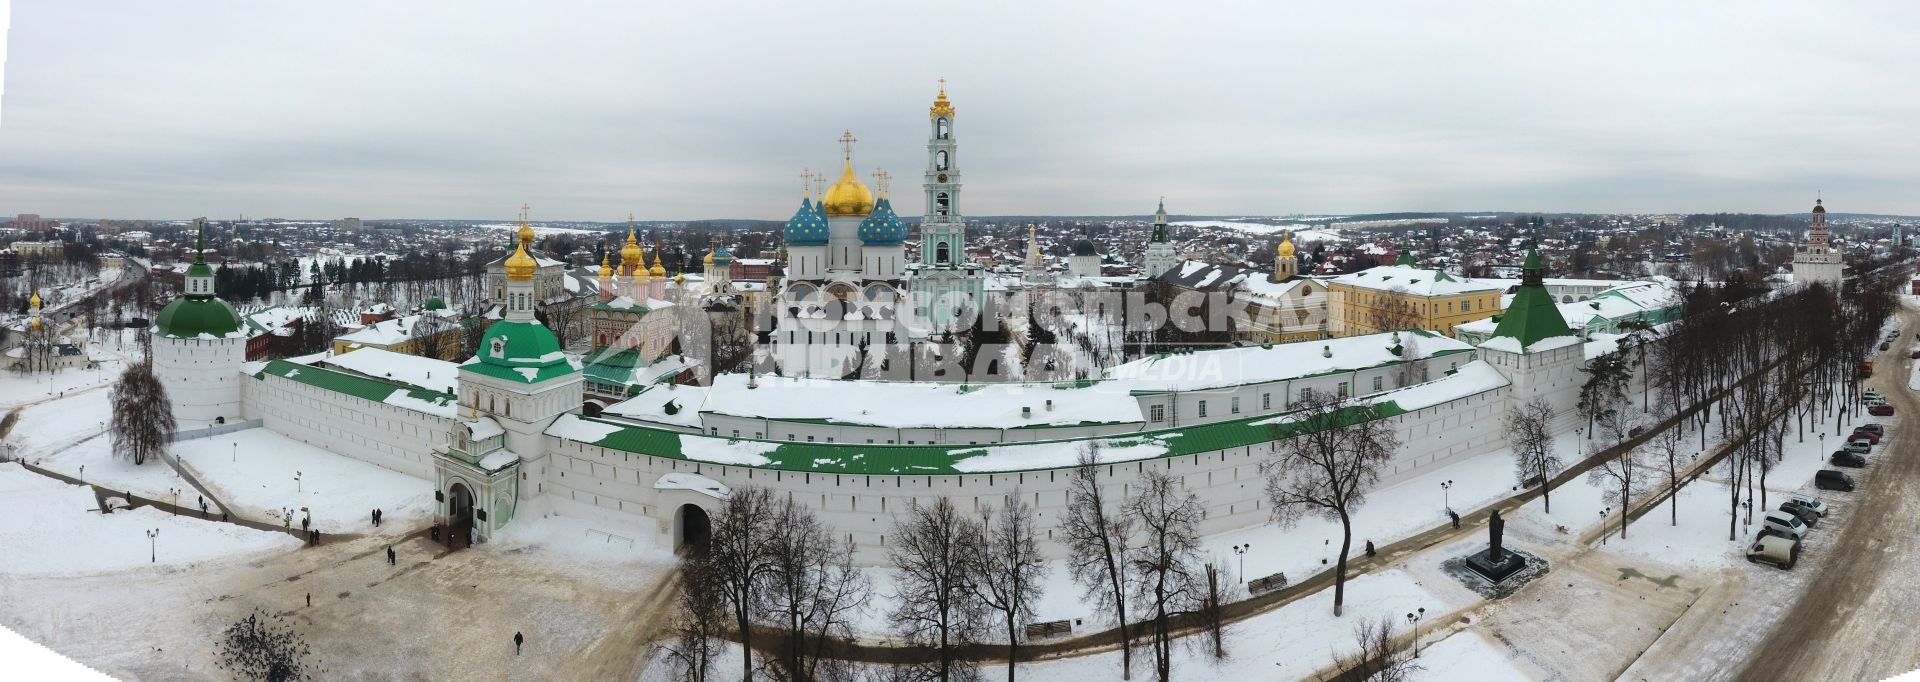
(691, 528)
(459, 516)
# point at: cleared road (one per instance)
(1855, 621)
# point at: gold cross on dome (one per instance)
(943, 84)
(806, 182)
(846, 142)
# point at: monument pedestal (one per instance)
(1495, 569)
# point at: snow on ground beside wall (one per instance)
(1469, 657)
(92, 461)
(47, 529)
(613, 553)
(54, 425)
(257, 480)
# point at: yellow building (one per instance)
(1401, 295)
(432, 333)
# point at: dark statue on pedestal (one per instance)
(1495, 564)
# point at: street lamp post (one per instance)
(153, 552)
(296, 481)
(1603, 524)
(1242, 551)
(1446, 498)
(1413, 619)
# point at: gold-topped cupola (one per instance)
(848, 196)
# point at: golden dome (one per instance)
(848, 196)
(680, 278)
(1285, 249)
(709, 259)
(605, 269)
(658, 270)
(520, 266)
(941, 107)
(526, 232)
(630, 254)
(35, 301)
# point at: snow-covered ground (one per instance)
(47, 528)
(1469, 657)
(256, 478)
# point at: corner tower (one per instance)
(947, 287)
(199, 343)
(1159, 257)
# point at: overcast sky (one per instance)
(687, 110)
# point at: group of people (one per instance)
(377, 514)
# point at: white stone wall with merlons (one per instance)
(201, 377)
(380, 434)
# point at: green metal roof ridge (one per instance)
(364, 387)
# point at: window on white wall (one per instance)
(1156, 413)
(1203, 408)
(1343, 389)
(1376, 383)
(1236, 405)
(1266, 401)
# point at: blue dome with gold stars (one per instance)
(807, 228)
(882, 227)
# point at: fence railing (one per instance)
(213, 430)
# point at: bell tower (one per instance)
(947, 288)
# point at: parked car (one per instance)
(1871, 427)
(1773, 547)
(1786, 523)
(1806, 515)
(1916, 354)
(1880, 410)
(1870, 436)
(1842, 458)
(1885, 345)
(1858, 446)
(1871, 394)
(1810, 502)
(1828, 479)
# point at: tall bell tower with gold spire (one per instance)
(947, 287)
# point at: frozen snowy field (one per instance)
(257, 479)
(47, 528)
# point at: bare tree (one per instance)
(1212, 613)
(1009, 576)
(1667, 447)
(142, 414)
(1376, 658)
(740, 555)
(1530, 436)
(1330, 456)
(264, 647)
(934, 607)
(697, 627)
(1166, 564)
(1619, 475)
(1096, 540)
(813, 589)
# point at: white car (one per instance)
(1786, 523)
(1810, 502)
(1774, 547)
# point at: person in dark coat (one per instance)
(1370, 549)
(1456, 518)
(517, 640)
(309, 599)
(390, 556)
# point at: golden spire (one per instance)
(520, 266)
(35, 301)
(710, 242)
(806, 183)
(606, 270)
(658, 269)
(941, 107)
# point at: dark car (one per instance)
(1873, 428)
(1881, 410)
(1916, 354)
(1884, 345)
(1829, 479)
(1806, 515)
(1842, 458)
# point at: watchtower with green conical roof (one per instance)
(1532, 346)
(199, 343)
(1532, 317)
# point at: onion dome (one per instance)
(680, 279)
(1084, 247)
(807, 228)
(848, 196)
(520, 266)
(1285, 249)
(34, 302)
(882, 228)
(1817, 208)
(606, 271)
(630, 254)
(658, 269)
(719, 255)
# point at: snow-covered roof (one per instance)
(434, 375)
(904, 404)
(1512, 345)
(674, 404)
(1415, 281)
(1223, 367)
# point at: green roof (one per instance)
(526, 352)
(525, 375)
(358, 386)
(1533, 316)
(863, 459)
(435, 303)
(190, 317)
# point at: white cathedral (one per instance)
(848, 290)
(1817, 261)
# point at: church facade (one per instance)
(1816, 261)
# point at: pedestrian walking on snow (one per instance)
(1456, 518)
(517, 639)
(309, 599)
(390, 559)
(1370, 549)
